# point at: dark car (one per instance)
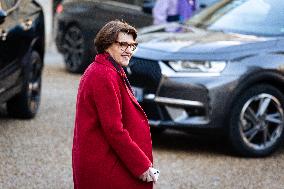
(21, 56)
(79, 21)
(221, 71)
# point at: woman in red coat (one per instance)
(112, 146)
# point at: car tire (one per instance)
(25, 104)
(257, 121)
(75, 49)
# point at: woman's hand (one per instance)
(150, 175)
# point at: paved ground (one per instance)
(37, 153)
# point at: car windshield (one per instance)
(253, 17)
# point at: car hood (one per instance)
(201, 45)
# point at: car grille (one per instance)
(144, 73)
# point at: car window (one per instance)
(257, 17)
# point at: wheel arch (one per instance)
(272, 78)
(88, 45)
(89, 35)
(38, 44)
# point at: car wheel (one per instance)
(26, 103)
(257, 120)
(75, 50)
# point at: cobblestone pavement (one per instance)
(37, 153)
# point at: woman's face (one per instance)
(122, 49)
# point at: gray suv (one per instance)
(221, 71)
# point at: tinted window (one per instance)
(260, 17)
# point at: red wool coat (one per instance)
(112, 143)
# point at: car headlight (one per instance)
(198, 66)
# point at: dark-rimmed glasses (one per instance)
(125, 45)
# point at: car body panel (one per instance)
(197, 99)
(200, 87)
(24, 28)
(209, 46)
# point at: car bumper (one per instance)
(188, 100)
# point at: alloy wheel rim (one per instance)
(73, 47)
(34, 85)
(261, 121)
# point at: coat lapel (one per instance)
(134, 100)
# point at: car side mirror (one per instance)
(3, 15)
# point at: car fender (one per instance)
(273, 78)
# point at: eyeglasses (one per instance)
(125, 45)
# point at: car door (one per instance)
(9, 70)
(105, 11)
